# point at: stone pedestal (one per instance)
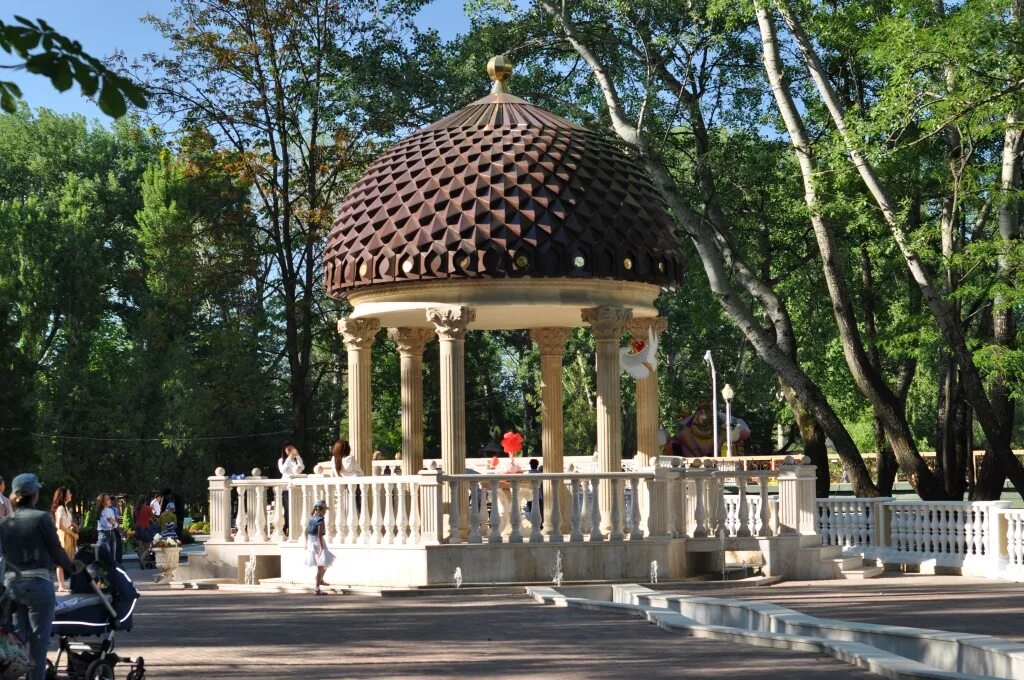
(411, 342)
(551, 343)
(607, 323)
(358, 335)
(451, 322)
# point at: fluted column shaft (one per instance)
(451, 322)
(607, 323)
(647, 394)
(551, 343)
(358, 335)
(411, 343)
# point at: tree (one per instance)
(273, 82)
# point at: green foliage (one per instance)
(48, 53)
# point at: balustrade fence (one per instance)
(432, 507)
(986, 536)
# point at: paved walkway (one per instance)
(213, 634)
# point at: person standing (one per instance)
(106, 524)
(67, 530)
(29, 537)
(144, 530)
(157, 503)
(345, 463)
(5, 503)
(317, 554)
(289, 464)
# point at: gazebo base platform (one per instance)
(412, 566)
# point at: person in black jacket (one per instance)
(31, 548)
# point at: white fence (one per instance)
(432, 508)
(984, 537)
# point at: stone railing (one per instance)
(986, 535)
(433, 508)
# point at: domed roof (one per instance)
(502, 189)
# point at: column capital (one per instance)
(451, 321)
(358, 333)
(410, 341)
(638, 328)
(606, 321)
(550, 341)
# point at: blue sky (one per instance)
(107, 26)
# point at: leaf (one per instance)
(61, 76)
(135, 93)
(86, 78)
(7, 102)
(23, 39)
(111, 100)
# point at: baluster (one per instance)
(495, 535)
(555, 535)
(474, 512)
(352, 514)
(242, 531)
(928, 529)
(575, 518)
(414, 514)
(699, 513)
(635, 531)
(376, 522)
(980, 544)
(401, 518)
(943, 537)
(586, 521)
(595, 511)
(536, 518)
(615, 512)
(454, 521)
(516, 517)
(720, 527)
(341, 515)
(389, 514)
(278, 514)
(744, 528)
(364, 514)
(261, 513)
(307, 510)
(968, 522)
(765, 529)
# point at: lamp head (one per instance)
(707, 356)
(727, 392)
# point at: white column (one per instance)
(358, 335)
(451, 322)
(607, 324)
(551, 343)
(410, 343)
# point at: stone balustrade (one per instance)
(674, 501)
(986, 537)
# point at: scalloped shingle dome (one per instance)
(501, 189)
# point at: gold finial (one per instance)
(499, 68)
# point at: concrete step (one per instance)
(863, 572)
(848, 563)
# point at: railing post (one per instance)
(656, 512)
(996, 538)
(426, 522)
(220, 505)
(797, 504)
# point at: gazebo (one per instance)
(501, 216)
(506, 216)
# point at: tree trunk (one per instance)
(866, 373)
(949, 326)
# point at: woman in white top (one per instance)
(290, 463)
(345, 463)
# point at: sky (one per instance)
(104, 27)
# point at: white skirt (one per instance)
(315, 559)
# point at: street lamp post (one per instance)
(714, 404)
(728, 394)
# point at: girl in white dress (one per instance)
(317, 554)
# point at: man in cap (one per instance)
(31, 548)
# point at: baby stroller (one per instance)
(14, 655)
(101, 604)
